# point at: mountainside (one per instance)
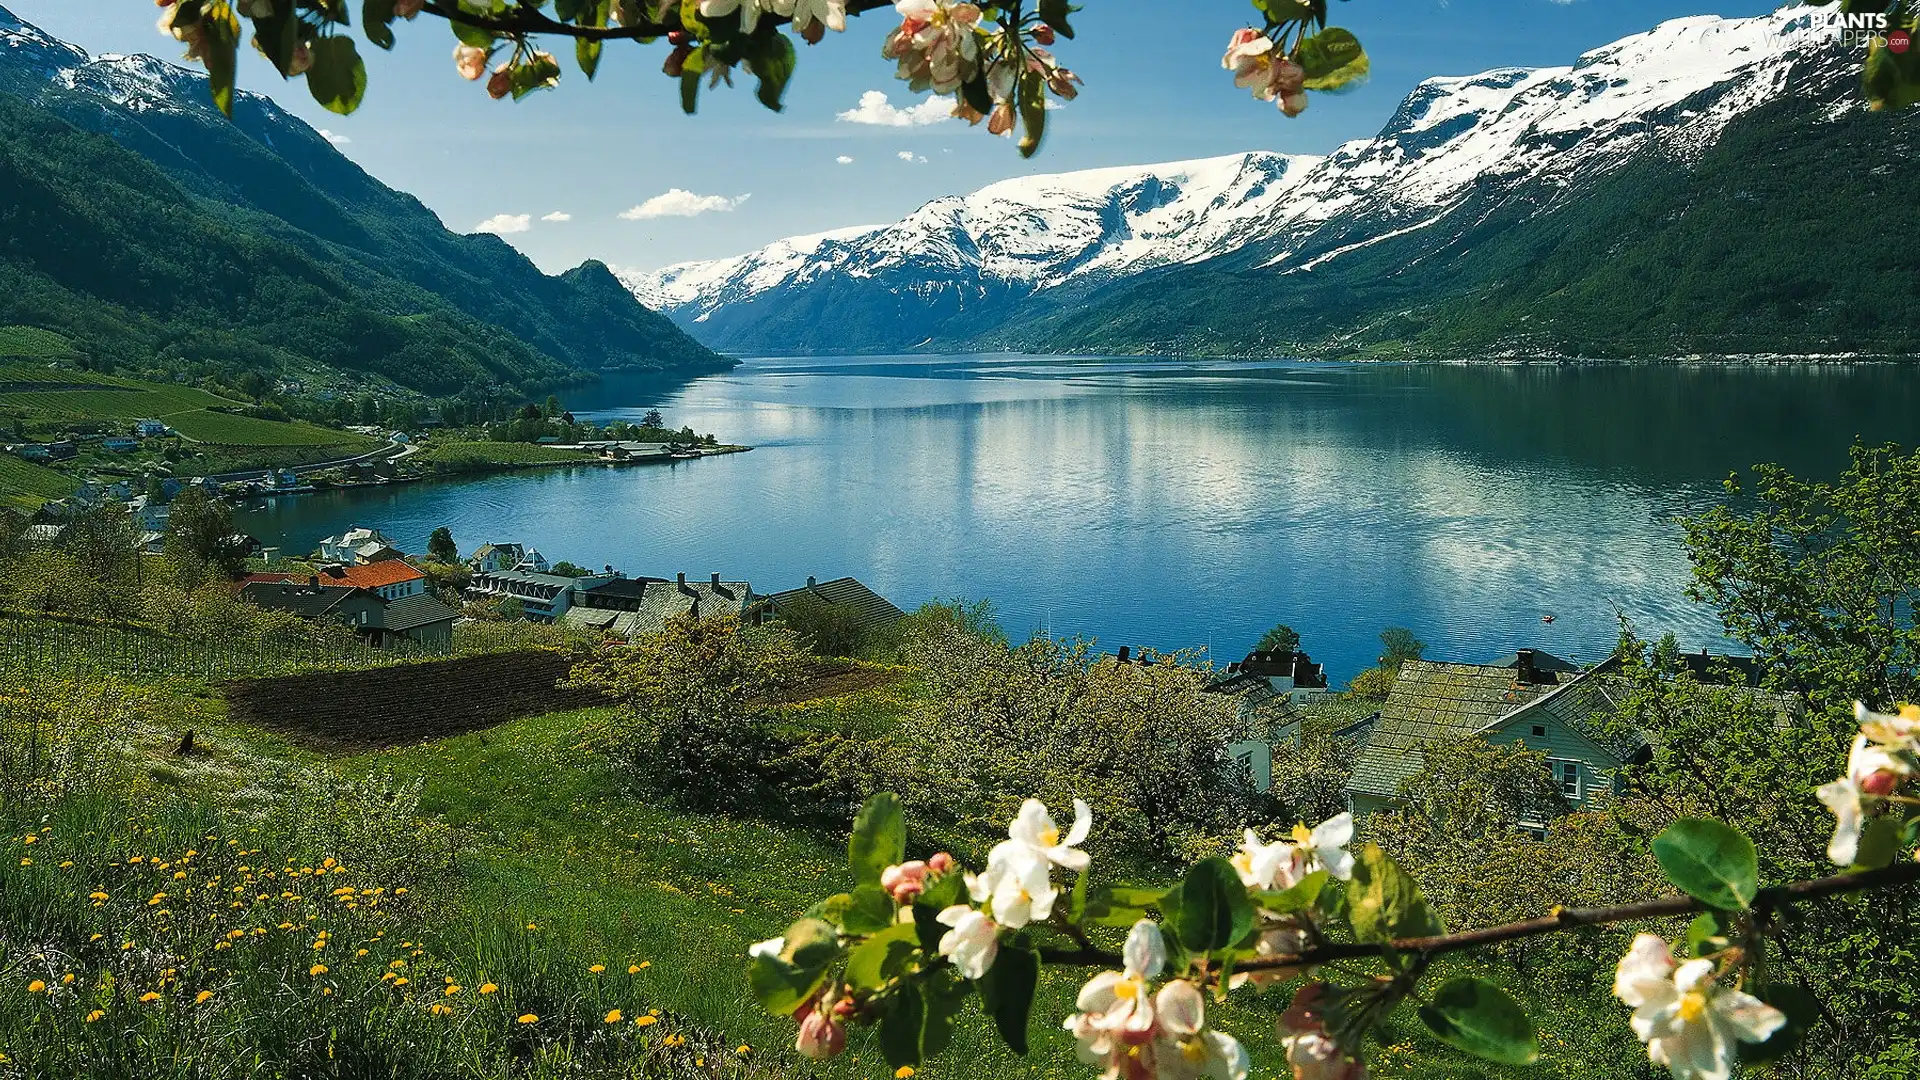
(408, 300)
(1532, 211)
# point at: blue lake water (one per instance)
(1173, 504)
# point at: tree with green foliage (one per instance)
(441, 548)
(1282, 638)
(653, 419)
(567, 569)
(1398, 645)
(201, 542)
(826, 629)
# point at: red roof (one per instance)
(372, 575)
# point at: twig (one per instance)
(1769, 901)
(525, 20)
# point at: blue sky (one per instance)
(1154, 92)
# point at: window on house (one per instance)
(1568, 775)
(1539, 729)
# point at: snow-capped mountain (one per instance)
(1519, 139)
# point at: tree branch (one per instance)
(525, 20)
(1768, 902)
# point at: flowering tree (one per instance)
(992, 59)
(914, 939)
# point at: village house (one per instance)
(354, 545)
(641, 606)
(542, 597)
(120, 444)
(870, 610)
(34, 452)
(150, 429)
(1269, 688)
(418, 618)
(389, 579)
(489, 558)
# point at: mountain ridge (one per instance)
(1475, 159)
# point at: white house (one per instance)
(346, 548)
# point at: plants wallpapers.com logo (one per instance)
(1865, 30)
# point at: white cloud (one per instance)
(876, 110)
(332, 138)
(911, 158)
(557, 215)
(502, 224)
(844, 159)
(679, 202)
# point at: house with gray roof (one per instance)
(871, 610)
(1559, 713)
(640, 606)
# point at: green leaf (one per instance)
(1283, 11)
(1054, 13)
(1710, 862)
(690, 88)
(833, 909)
(1033, 112)
(773, 62)
(926, 918)
(1802, 1010)
(587, 55)
(879, 837)
(900, 1026)
(1212, 910)
(782, 981)
(472, 35)
(1892, 80)
(941, 996)
(1480, 1018)
(377, 17)
(1706, 934)
(222, 36)
(870, 911)
(974, 92)
(1299, 897)
(1332, 59)
(1879, 843)
(948, 890)
(1007, 993)
(1118, 905)
(278, 35)
(338, 78)
(882, 957)
(1384, 903)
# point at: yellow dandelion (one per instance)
(30, 838)
(488, 988)
(149, 997)
(36, 986)
(317, 970)
(645, 1021)
(360, 952)
(67, 979)
(743, 1050)
(903, 1072)
(533, 926)
(527, 1018)
(597, 968)
(614, 1017)
(452, 989)
(646, 963)
(402, 981)
(94, 1016)
(440, 1010)
(203, 997)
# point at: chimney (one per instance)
(1125, 651)
(313, 581)
(811, 583)
(716, 580)
(1525, 671)
(683, 580)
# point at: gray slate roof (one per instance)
(309, 601)
(663, 600)
(871, 608)
(413, 612)
(1436, 703)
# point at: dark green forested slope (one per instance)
(101, 246)
(1792, 235)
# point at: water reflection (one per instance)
(1186, 503)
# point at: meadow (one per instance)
(24, 485)
(454, 456)
(42, 398)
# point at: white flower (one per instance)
(831, 13)
(1034, 825)
(1895, 731)
(770, 948)
(1871, 774)
(1283, 865)
(972, 944)
(749, 11)
(936, 44)
(1689, 1022)
(1249, 55)
(1115, 1004)
(1315, 1056)
(1019, 883)
(1183, 1048)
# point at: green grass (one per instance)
(26, 341)
(25, 486)
(457, 455)
(39, 395)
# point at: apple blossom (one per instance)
(936, 44)
(905, 881)
(471, 62)
(1283, 865)
(749, 11)
(1895, 731)
(822, 1035)
(1248, 58)
(1183, 1048)
(1116, 1012)
(1017, 882)
(1689, 1022)
(1034, 826)
(808, 13)
(1872, 773)
(972, 943)
(1313, 1054)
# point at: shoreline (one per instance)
(487, 469)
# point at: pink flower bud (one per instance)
(1305, 1014)
(501, 84)
(1294, 104)
(843, 1008)
(905, 881)
(820, 1036)
(941, 863)
(1043, 34)
(677, 38)
(677, 61)
(407, 9)
(470, 62)
(301, 61)
(814, 32)
(1000, 121)
(1881, 783)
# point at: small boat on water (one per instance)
(1546, 618)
